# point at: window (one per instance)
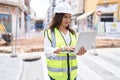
(89, 21)
(107, 18)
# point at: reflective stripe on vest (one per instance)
(61, 69)
(61, 58)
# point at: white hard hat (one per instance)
(63, 7)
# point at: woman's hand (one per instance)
(69, 48)
(58, 51)
(82, 51)
(66, 48)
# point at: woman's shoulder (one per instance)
(46, 31)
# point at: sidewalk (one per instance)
(10, 68)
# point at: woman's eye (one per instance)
(67, 17)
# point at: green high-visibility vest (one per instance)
(58, 66)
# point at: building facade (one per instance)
(78, 9)
(50, 11)
(100, 15)
(108, 19)
(13, 15)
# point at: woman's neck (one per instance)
(63, 29)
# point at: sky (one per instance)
(40, 7)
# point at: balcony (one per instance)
(18, 3)
(10, 2)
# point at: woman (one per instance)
(60, 39)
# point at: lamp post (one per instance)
(13, 53)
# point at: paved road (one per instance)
(105, 66)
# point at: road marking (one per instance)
(107, 65)
(86, 73)
(113, 56)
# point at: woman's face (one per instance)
(66, 20)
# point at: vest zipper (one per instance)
(68, 67)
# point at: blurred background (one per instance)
(22, 25)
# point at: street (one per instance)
(105, 66)
(22, 37)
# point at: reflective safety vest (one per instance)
(58, 65)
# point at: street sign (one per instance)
(99, 13)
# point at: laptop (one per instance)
(86, 40)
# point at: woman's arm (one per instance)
(48, 49)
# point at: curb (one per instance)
(30, 56)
